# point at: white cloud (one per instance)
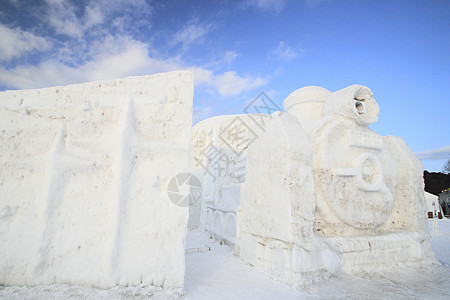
(315, 2)
(15, 43)
(78, 20)
(127, 15)
(45, 74)
(117, 57)
(285, 52)
(61, 16)
(190, 34)
(99, 44)
(436, 154)
(129, 59)
(267, 5)
(94, 16)
(229, 83)
(229, 57)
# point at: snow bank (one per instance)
(83, 177)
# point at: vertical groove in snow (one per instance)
(122, 171)
(55, 189)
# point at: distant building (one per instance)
(444, 200)
(434, 208)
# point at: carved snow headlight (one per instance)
(360, 107)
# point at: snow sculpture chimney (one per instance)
(355, 103)
(306, 103)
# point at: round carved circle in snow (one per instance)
(355, 177)
(370, 176)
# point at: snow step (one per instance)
(198, 250)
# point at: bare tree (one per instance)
(446, 168)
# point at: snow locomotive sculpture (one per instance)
(315, 190)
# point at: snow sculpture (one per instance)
(83, 178)
(220, 163)
(323, 193)
(353, 167)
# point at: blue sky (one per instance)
(236, 49)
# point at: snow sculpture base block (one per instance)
(382, 253)
(83, 176)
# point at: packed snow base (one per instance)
(83, 175)
(218, 274)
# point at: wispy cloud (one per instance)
(315, 2)
(130, 60)
(285, 52)
(436, 154)
(99, 43)
(62, 18)
(190, 34)
(267, 5)
(123, 57)
(230, 83)
(276, 5)
(229, 57)
(77, 21)
(16, 42)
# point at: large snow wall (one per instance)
(83, 176)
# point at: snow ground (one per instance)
(217, 274)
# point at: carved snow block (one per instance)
(83, 176)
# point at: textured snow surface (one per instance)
(440, 241)
(83, 176)
(217, 274)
